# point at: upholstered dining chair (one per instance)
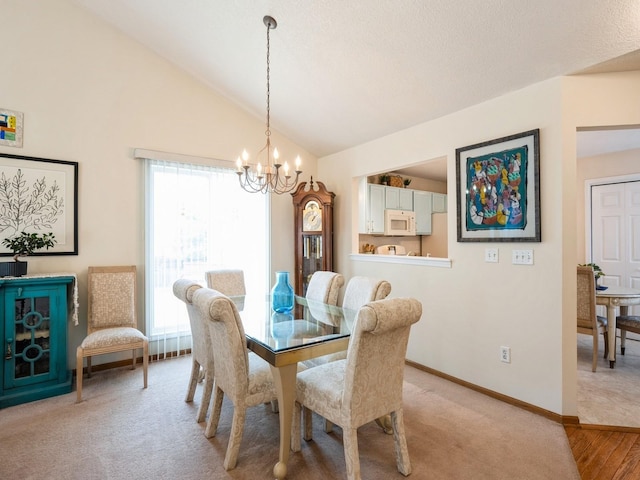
(324, 287)
(361, 290)
(627, 323)
(112, 324)
(229, 282)
(242, 376)
(201, 354)
(367, 384)
(589, 323)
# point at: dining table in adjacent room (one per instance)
(614, 297)
(311, 330)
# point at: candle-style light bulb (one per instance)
(286, 169)
(276, 154)
(259, 169)
(245, 156)
(239, 164)
(298, 162)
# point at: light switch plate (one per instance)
(522, 257)
(491, 255)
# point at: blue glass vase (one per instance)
(282, 294)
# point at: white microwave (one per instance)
(399, 223)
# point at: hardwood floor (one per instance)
(605, 453)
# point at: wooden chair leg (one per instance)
(79, 375)
(88, 367)
(145, 362)
(623, 340)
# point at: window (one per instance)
(197, 219)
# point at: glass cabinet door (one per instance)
(29, 346)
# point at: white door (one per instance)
(615, 232)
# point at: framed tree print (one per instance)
(39, 195)
(498, 189)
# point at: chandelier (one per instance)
(274, 176)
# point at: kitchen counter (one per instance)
(402, 259)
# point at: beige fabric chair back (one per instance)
(111, 298)
(366, 385)
(184, 289)
(361, 290)
(376, 356)
(324, 287)
(244, 378)
(202, 365)
(228, 340)
(229, 282)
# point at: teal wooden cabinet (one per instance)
(33, 328)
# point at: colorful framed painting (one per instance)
(498, 189)
(39, 195)
(11, 128)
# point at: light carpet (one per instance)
(121, 431)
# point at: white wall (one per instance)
(608, 165)
(473, 308)
(91, 95)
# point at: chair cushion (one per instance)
(628, 322)
(320, 388)
(110, 337)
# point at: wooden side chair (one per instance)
(112, 324)
(588, 322)
(627, 323)
(366, 385)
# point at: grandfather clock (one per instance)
(313, 223)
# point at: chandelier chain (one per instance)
(268, 132)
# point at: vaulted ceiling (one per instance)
(347, 72)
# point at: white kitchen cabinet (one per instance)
(372, 208)
(398, 198)
(422, 206)
(439, 202)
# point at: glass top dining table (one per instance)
(311, 330)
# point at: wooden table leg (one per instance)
(285, 382)
(611, 330)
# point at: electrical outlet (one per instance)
(505, 354)
(491, 255)
(522, 257)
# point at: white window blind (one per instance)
(197, 219)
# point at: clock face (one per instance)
(312, 217)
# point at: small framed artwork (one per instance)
(11, 128)
(39, 195)
(498, 189)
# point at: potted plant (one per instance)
(597, 271)
(21, 246)
(407, 182)
(384, 179)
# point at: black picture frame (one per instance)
(498, 189)
(39, 195)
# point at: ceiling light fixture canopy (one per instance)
(274, 177)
